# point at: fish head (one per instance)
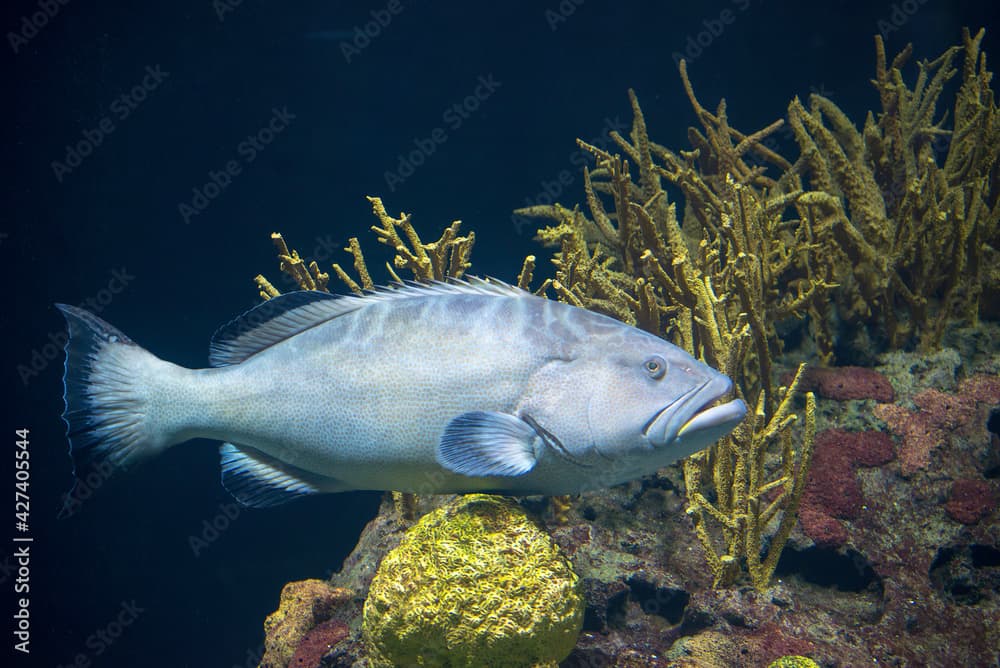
(649, 396)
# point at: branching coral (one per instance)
(307, 276)
(910, 209)
(448, 257)
(715, 283)
(747, 501)
(743, 259)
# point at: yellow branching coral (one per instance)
(743, 258)
(448, 257)
(747, 500)
(911, 226)
(308, 276)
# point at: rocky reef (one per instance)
(303, 628)
(886, 564)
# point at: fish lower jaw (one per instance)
(731, 412)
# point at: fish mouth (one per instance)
(715, 417)
(697, 412)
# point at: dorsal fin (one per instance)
(471, 285)
(289, 314)
(274, 321)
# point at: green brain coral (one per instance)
(793, 662)
(474, 583)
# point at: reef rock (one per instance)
(303, 606)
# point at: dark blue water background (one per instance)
(557, 72)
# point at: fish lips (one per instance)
(694, 415)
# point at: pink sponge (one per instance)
(970, 500)
(832, 491)
(847, 382)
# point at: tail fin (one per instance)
(108, 417)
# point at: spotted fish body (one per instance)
(437, 388)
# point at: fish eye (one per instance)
(655, 366)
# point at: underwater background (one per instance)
(152, 149)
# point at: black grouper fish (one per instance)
(439, 388)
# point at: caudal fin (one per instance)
(108, 413)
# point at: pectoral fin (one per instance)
(481, 444)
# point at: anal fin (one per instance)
(259, 480)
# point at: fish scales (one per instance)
(380, 379)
